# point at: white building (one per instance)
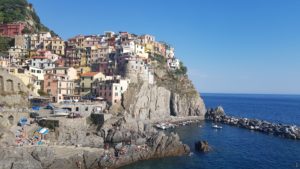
(128, 47)
(140, 51)
(41, 62)
(147, 39)
(17, 52)
(170, 52)
(173, 63)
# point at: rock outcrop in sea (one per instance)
(202, 146)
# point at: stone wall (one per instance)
(13, 92)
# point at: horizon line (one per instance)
(233, 93)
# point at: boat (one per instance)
(61, 112)
(161, 126)
(215, 126)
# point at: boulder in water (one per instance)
(202, 146)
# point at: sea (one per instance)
(238, 148)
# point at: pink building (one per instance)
(112, 90)
(11, 29)
(57, 86)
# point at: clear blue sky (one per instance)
(232, 46)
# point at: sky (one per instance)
(232, 46)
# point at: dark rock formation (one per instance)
(202, 146)
(283, 130)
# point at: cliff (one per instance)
(172, 94)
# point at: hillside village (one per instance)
(85, 66)
(105, 95)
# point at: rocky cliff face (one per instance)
(50, 157)
(170, 95)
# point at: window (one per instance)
(48, 91)
(48, 83)
(116, 94)
(87, 109)
(116, 88)
(59, 91)
(77, 108)
(33, 64)
(38, 71)
(109, 94)
(100, 94)
(91, 78)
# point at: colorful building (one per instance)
(87, 80)
(56, 86)
(112, 90)
(11, 29)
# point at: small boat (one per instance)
(215, 126)
(161, 126)
(61, 112)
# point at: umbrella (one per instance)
(44, 131)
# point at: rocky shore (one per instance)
(52, 157)
(283, 130)
(120, 141)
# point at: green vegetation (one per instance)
(19, 10)
(42, 93)
(182, 70)
(159, 58)
(12, 10)
(6, 43)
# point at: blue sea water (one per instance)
(236, 148)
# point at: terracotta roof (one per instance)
(89, 74)
(39, 57)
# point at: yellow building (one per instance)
(83, 69)
(149, 48)
(87, 79)
(55, 44)
(25, 77)
(83, 59)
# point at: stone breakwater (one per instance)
(277, 129)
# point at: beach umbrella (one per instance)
(23, 121)
(44, 131)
